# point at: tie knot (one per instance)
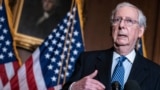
(121, 60)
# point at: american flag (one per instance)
(52, 63)
(141, 47)
(8, 61)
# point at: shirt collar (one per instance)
(130, 57)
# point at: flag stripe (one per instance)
(3, 74)
(8, 87)
(13, 84)
(9, 69)
(1, 85)
(23, 85)
(30, 75)
(37, 72)
(16, 66)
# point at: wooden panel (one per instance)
(96, 31)
(156, 54)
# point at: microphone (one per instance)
(132, 85)
(116, 85)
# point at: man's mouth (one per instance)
(122, 35)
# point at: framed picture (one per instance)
(35, 19)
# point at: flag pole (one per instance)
(67, 34)
(67, 60)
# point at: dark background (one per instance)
(97, 26)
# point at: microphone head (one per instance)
(116, 85)
(132, 85)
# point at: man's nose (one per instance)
(122, 23)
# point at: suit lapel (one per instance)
(104, 62)
(139, 69)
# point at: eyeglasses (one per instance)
(127, 21)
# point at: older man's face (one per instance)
(125, 27)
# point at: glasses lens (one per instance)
(127, 21)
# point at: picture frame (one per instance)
(26, 35)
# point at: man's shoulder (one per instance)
(152, 65)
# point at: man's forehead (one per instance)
(128, 11)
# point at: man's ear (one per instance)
(141, 32)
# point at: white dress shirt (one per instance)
(127, 63)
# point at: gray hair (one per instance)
(141, 17)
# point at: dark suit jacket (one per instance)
(144, 71)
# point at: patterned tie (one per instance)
(118, 74)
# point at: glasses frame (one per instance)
(127, 21)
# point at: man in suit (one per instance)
(95, 69)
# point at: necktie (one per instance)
(118, 74)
